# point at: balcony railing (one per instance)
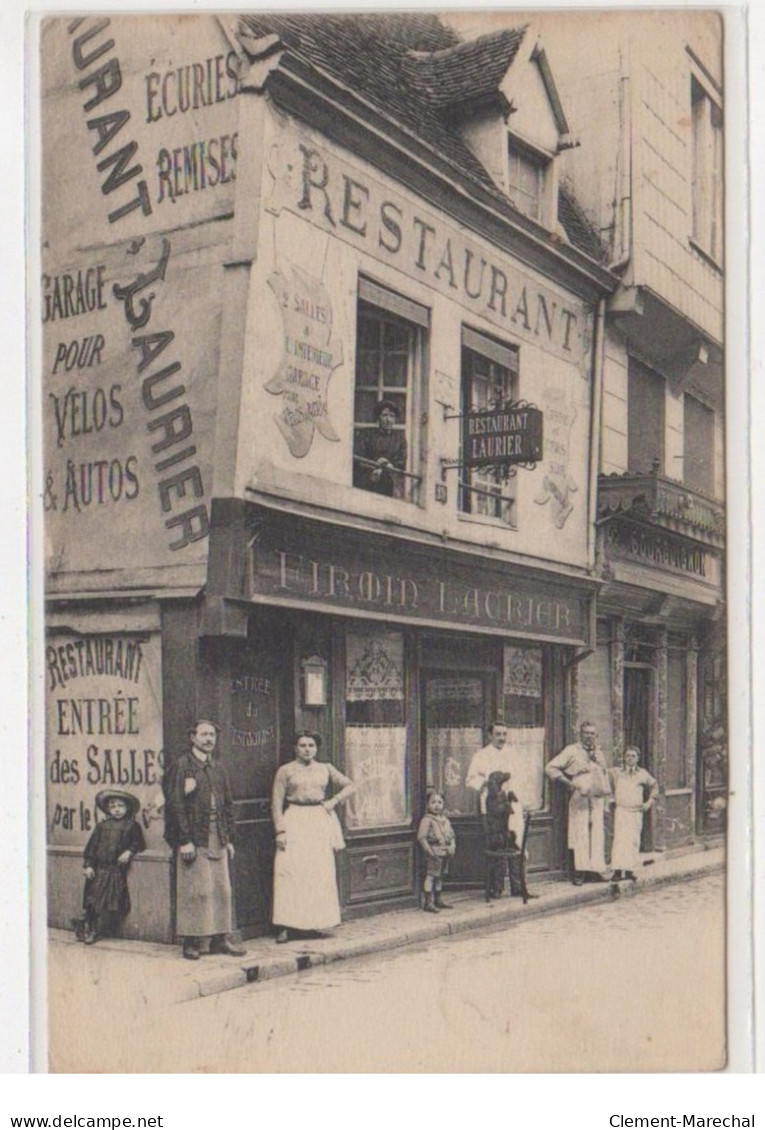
(664, 502)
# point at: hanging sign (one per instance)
(502, 436)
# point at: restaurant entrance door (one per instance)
(251, 713)
(457, 707)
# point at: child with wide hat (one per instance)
(106, 860)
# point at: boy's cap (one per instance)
(103, 798)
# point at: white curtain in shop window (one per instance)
(375, 758)
(528, 746)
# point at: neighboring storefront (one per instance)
(656, 677)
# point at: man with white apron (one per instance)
(582, 769)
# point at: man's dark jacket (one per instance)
(187, 815)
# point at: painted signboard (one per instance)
(312, 564)
(311, 180)
(140, 143)
(309, 357)
(104, 730)
(629, 541)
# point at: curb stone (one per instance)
(164, 976)
(501, 914)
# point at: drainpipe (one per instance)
(596, 424)
(623, 202)
(623, 251)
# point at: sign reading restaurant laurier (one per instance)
(502, 436)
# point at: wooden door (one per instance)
(253, 742)
(638, 681)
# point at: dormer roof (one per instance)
(416, 73)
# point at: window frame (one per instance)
(637, 369)
(498, 355)
(390, 308)
(532, 158)
(707, 210)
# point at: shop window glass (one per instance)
(707, 184)
(645, 419)
(489, 379)
(698, 446)
(375, 730)
(390, 338)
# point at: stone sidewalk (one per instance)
(165, 977)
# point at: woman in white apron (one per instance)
(306, 793)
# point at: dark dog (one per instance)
(499, 806)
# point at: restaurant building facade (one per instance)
(256, 230)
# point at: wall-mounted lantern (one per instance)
(315, 681)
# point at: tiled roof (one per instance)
(466, 71)
(412, 68)
(580, 231)
(365, 53)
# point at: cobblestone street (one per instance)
(635, 984)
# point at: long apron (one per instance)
(204, 905)
(628, 824)
(586, 836)
(305, 882)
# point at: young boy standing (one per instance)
(436, 838)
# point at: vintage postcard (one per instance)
(384, 434)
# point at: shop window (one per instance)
(489, 379)
(645, 419)
(375, 730)
(677, 716)
(698, 446)
(707, 182)
(391, 334)
(526, 179)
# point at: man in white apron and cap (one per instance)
(582, 769)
